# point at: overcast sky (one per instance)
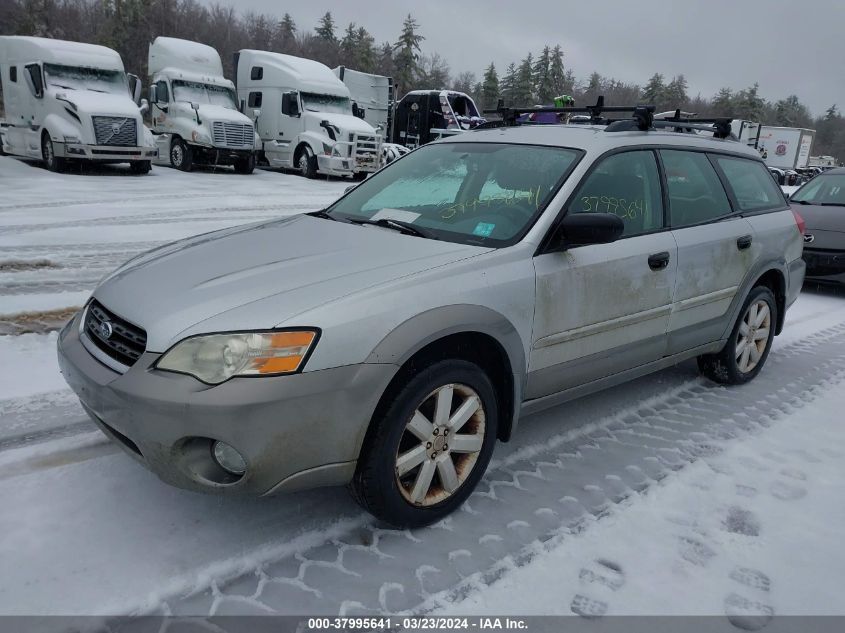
(788, 46)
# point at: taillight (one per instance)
(802, 226)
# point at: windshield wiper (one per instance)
(322, 213)
(802, 202)
(398, 225)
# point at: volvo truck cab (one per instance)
(303, 115)
(69, 101)
(194, 108)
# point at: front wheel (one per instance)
(140, 167)
(48, 154)
(245, 165)
(749, 344)
(307, 162)
(181, 155)
(429, 449)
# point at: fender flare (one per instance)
(754, 275)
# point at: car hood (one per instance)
(260, 275)
(822, 217)
(100, 103)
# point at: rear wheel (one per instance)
(307, 162)
(51, 161)
(245, 165)
(181, 155)
(749, 343)
(429, 449)
(140, 166)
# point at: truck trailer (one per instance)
(194, 108)
(69, 101)
(303, 116)
(785, 147)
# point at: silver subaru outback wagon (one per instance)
(388, 341)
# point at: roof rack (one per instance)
(642, 118)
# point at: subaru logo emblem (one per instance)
(105, 330)
(115, 127)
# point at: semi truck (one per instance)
(303, 116)
(70, 102)
(194, 108)
(785, 147)
(426, 115)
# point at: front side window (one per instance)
(752, 185)
(695, 192)
(827, 189)
(627, 185)
(13, 73)
(473, 193)
(195, 92)
(161, 92)
(78, 78)
(36, 81)
(314, 102)
(255, 99)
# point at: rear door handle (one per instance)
(658, 261)
(744, 242)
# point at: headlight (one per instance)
(217, 357)
(200, 136)
(72, 139)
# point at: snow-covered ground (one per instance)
(665, 495)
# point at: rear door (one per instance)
(715, 251)
(604, 308)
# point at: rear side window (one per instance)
(254, 100)
(256, 72)
(752, 185)
(695, 192)
(627, 185)
(13, 73)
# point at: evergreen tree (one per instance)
(508, 85)
(366, 55)
(524, 85)
(654, 91)
(285, 38)
(749, 104)
(490, 88)
(406, 55)
(790, 112)
(325, 29)
(675, 94)
(384, 61)
(832, 113)
(557, 76)
(543, 77)
(723, 103)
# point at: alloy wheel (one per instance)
(440, 445)
(753, 336)
(177, 155)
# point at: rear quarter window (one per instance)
(752, 186)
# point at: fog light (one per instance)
(228, 458)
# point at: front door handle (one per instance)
(658, 261)
(744, 242)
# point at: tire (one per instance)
(404, 500)
(245, 165)
(306, 162)
(181, 155)
(140, 167)
(736, 364)
(48, 154)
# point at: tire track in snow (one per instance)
(526, 503)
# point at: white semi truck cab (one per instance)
(303, 115)
(68, 101)
(194, 108)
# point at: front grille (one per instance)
(115, 130)
(114, 336)
(237, 135)
(367, 150)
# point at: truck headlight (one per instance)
(215, 358)
(72, 139)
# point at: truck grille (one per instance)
(115, 130)
(238, 135)
(114, 336)
(366, 150)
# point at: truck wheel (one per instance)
(307, 162)
(426, 453)
(748, 346)
(181, 155)
(245, 165)
(140, 166)
(52, 162)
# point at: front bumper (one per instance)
(295, 432)
(104, 152)
(825, 265)
(343, 166)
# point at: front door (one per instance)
(604, 308)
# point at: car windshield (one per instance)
(314, 102)
(78, 78)
(824, 189)
(196, 92)
(472, 193)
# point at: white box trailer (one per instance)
(194, 108)
(372, 97)
(303, 115)
(69, 101)
(785, 147)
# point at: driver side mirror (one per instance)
(153, 94)
(144, 106)
(290, 104)
(580, 229)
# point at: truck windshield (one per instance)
(78, 78)
(314, 102)
(827, 189)
(196, 92)
(473, 193)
